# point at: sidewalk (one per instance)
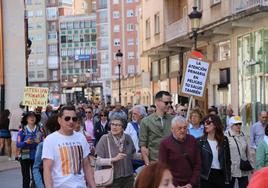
(6, 164)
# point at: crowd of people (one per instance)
(148, 147)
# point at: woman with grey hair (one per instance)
(122, 150)
(133, 129)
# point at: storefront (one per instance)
(252, 57)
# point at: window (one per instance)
(76, 25)
(87, 24)
(31, 74)
(130, 55)
(38, 13)
(40, 74)
(40, 62)
(82, 24)
(130, 27)
(116, 28)
(147, 29)
(223, 51)
(38, 37)
(131, 69)
(103, 16)
(29, 13)
(130, 13)
(116, 14)
(52, 13)
(63, 52)
(39, 50)
(52, 35)
(53, 26)
(215, 1)
(130, 41)
(31, 26)
(70, 25)
(69, 38)
(115, 1)
(104, 30)
(52, 49)
(116, 42)
(39, 26)
(199, 5)
(102, 4)
(63, 39)
(29, 2)
(156, 23)
(129, 1)
(70, 52)
(63, 26)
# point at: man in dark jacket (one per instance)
(180, 152)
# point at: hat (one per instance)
(235, 120)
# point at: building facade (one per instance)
(78, 62)
(232, 36)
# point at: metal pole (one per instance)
(119, 80)
(195, 39)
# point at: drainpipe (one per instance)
(2, 77)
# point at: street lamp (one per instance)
(119, 57)
(195, 17)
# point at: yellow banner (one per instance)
(35, 96)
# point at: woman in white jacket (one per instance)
(238, 144)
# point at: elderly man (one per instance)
(180, 152)
(257, 130)
(117, 111)
(155, 127)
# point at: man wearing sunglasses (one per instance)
(155, 127)
(65, 155)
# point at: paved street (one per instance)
(11, 178)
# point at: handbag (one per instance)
(104, 176)
(244, 164)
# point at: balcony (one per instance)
(176, 29)
(242, 5)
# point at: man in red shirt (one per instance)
(180, 152)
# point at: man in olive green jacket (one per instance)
(155, 127)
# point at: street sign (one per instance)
(82, 57)
(35, 96)
(195, 78)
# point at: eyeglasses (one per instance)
(183, 110)
(167, 102)
(102, 115)
(88, 112)
(238, 124)
(116, 124)
(68, 118)
(208, 122)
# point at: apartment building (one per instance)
(79, 69)
(124, 37)
(103, 46)
(232, 36)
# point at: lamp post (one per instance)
(119, 57)
(195, 17)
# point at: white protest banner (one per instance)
(35, 96)
(195, 78)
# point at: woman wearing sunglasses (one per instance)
(215, 155)
(122, 150)
(239, 150)
(102, 126)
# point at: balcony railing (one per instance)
(241, 5)
(176, 29)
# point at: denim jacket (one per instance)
(38, 163)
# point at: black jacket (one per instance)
(224, 159)
(99, 130)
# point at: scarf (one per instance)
(119, 142)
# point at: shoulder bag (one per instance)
(244, 164)
(105, 175)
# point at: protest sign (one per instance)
(195, 78)
(35, 96)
